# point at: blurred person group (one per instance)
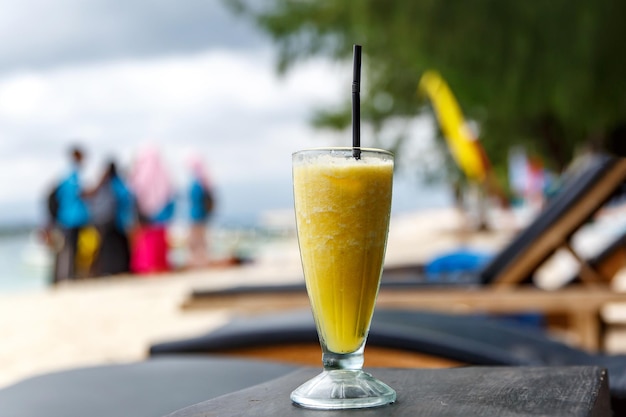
(120, 224)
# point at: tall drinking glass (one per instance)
(342, 202)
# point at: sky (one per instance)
(188, 77)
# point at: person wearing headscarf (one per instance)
(151, 185)
(201, 204)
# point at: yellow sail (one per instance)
(463, 145)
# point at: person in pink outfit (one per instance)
(154, 194)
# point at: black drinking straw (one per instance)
(356, 103)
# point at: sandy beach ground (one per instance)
(116, 320)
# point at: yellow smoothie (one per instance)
(342, 212)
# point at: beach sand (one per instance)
(115, 320)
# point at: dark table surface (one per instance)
(148, 388)
(467, 391)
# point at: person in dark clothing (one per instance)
(112, 213)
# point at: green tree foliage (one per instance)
(548, 75)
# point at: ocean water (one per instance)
(24, 263)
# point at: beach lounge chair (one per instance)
(582, 196)
(396, 335)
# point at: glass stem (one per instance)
(334, 361)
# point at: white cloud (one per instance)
(21, 97)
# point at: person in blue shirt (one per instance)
(71, 216)
(200, 194)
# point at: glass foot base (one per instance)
(340, 389)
